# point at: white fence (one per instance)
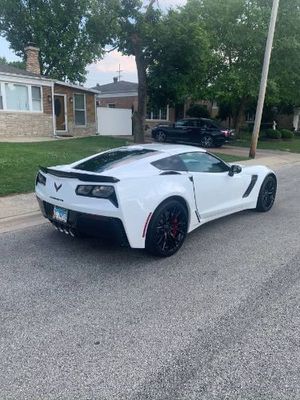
(114, 121)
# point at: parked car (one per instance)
(150, 196)
(198, 131)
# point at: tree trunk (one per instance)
(240, 114)
(140, 115)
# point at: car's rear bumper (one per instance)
(95, 225)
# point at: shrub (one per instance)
(272, 134)
(198, 111)
(286, 134)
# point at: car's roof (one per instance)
(170, 149)
(138, 165)
(195, 119)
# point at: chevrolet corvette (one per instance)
(150, 196)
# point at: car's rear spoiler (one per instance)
(77, 175)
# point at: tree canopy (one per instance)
(17, 64)
(60, 28)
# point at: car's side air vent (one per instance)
(251, 186)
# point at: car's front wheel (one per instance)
(206, 141)
(161, 136)
(167, 229)
(267, 194)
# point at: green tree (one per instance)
(59, 28)
(17, 64)
(134, 25)
(182, 60)
(237, 31)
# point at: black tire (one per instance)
(167, 229)
(267, 194)
(207, 141)
(161, 136)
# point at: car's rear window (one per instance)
(112, 159)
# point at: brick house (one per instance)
(31, 104)
(124, 94)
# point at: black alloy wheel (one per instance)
(206, 141)
(161, 136)
(267, 194)
(167, 229)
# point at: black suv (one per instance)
(200, 131)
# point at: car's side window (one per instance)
(183, 123)
(203, 162)
(173, 163)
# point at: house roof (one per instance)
(9, 69)
(78, 87)
(118, 87)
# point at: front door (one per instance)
(60, 113)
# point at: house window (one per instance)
(17, 98)
(36, 98)
(158, 113)
(111, 105)
(80, 109)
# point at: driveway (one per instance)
(219, 320)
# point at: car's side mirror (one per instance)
(234, 169)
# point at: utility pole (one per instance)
(264, 79)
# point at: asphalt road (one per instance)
(219, 320)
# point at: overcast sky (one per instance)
(103, 71)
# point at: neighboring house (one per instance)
(31, 104)
(123, 94)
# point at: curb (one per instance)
(18, 222)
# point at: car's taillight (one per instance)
(226, 133)
(40, 178)
(98, 191)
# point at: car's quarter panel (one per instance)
(140, 197)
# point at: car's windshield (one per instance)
(112, 159)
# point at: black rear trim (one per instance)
(79, 176)
(251, 186)
(170, 173)
(90, 224)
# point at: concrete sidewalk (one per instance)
(20, 211)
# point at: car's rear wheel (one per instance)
(167, 229)
(206, 141)
(161, 136)
(267, 194)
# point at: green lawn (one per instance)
(292, 145)
(19, 162)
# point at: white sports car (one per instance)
(150, 196)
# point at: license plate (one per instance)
(60, 214)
